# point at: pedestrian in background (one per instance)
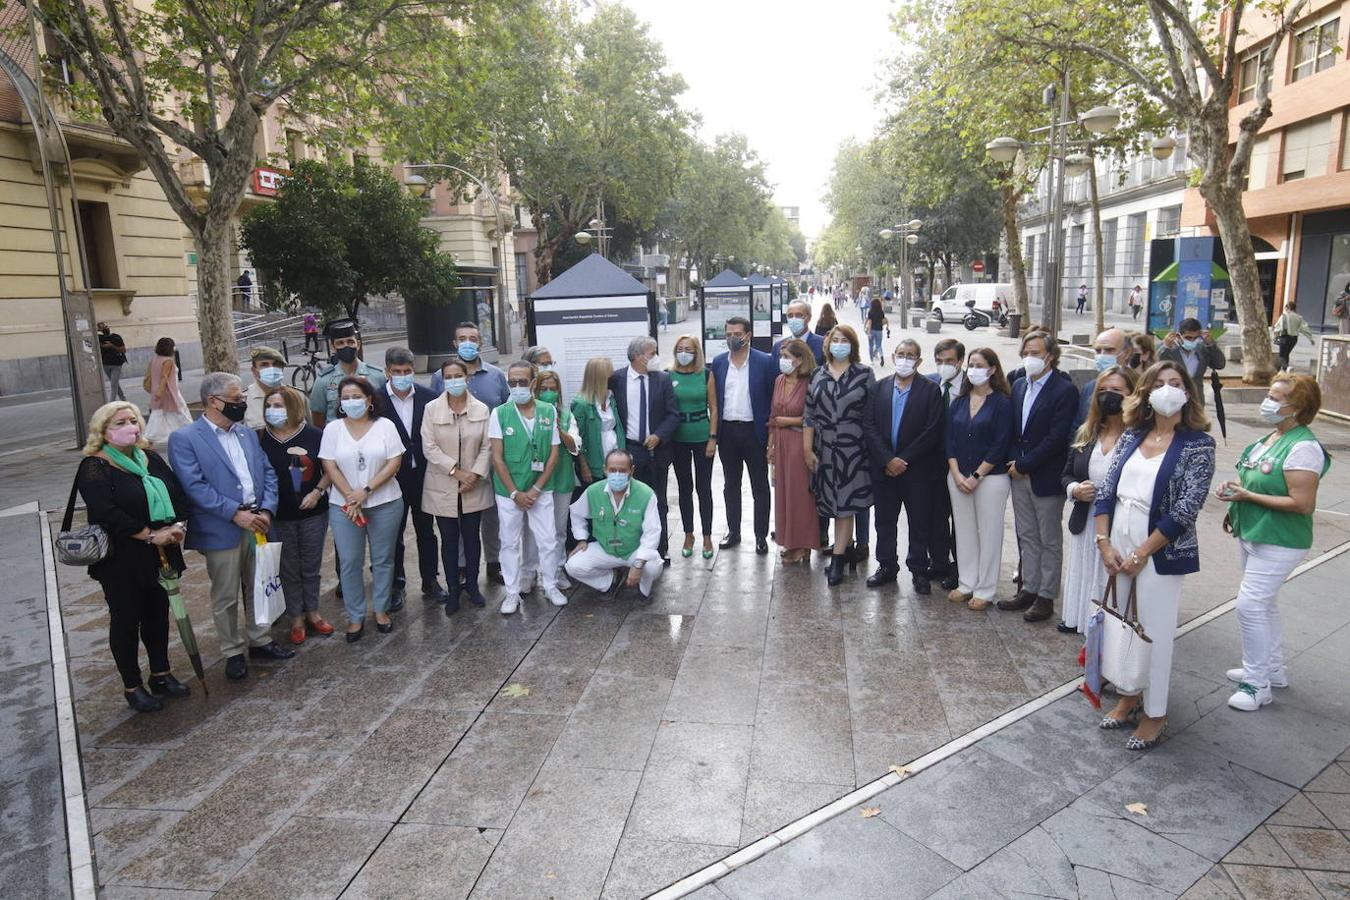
(291, 445)
(1271, 515)
(695, 443)
(113, 352)
(1089, 458)
(877, 324)
(834, 443)
(825, 324)
(168, 409)
(1286, 331)
(979, 438)
(1082, 298)
(1136, 301)
(597, 420)
(796, 521)
(1340, 309)
(406, 401)
(231, 491)
(1146, 509)
(311, 329)
(135, 497)
(649, 413)
(743, 378)
(269, 371)
(561, 484)
(361, 452)
(457, 487)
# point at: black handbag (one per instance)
(83, 546)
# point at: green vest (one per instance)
(564, 477)
(520, 449)
(588, 424)
(1259, 524)
(618, 534)
(691, 399)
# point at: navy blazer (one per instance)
(1179, 493)
(813, 340)
(414, 466)
(213, 490)
(1040, 447)
(763, 373)
(985, 439)
(663, 411)
(922, 429)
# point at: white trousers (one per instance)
(512, 519)
(978, 520)
(561, 508)
(1264, 570)
(594, 567)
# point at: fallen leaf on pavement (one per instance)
(515, 690)
(1139, 809)
(870, 811)
(902, 771)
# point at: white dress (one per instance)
(1085, 576)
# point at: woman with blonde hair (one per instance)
(168, 409)
(1146, 509)
(695, 439)
(133, 495)
(1089, 458)
(796, 523)
(597, 420)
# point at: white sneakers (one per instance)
(555, 596)
(1279, 678)
(563, 583)
(510, 604)
(1249, 699)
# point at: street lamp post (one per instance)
(419, 186)
(907, 232)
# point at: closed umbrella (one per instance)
(168, 579)
(1216, 388)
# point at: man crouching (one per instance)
(623, 532)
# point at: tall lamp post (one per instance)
(907, 233)
(419, 186)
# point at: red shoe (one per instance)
(298, 635)
(321, 627)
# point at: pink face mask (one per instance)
(124, 435)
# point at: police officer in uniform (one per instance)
(623, 533)
(344, 342)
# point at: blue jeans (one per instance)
(382, 526)
(874, 344)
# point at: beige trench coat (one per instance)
(450, 440)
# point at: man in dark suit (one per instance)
(905, 440)
(649, 429)
(798, 321)
(1044, 402)
(950, 355)
(745, 378)
(406, 401)
(1191, 346)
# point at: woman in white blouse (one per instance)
(361, 452)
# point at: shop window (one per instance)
(96, 236)
(1315, 48)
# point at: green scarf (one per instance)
(156, 492)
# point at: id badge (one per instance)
(536, 466)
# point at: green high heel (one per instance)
(687, 552)
(708, 554)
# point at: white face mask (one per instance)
(905, 367)
(977, 376)
(1033, 366)
(1167, 400)
(1270, 411)
(948, 372)
(786, 365)
(655, 365)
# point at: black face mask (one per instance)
(1134, 360)
(345, 355)
(234, 411)
(1110, 402)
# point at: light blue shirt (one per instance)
(1033, 391)
(899, 397)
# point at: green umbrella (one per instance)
(168, 579)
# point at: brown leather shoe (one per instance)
(1041, 610)
(1023, 600)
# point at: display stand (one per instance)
(720, 298)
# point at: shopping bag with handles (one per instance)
(269, 601)
(1126, 648)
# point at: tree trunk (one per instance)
(215, 319)
(1098, 249)
(1012, 235)
(1258, 360)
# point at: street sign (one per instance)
(977, 267)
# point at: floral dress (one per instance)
(835, 408)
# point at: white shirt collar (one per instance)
(634, 374)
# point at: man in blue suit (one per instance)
(232, 495)
(1044, 402)
(798, 320)
(406, 400)
(906, 440)
(745, 378)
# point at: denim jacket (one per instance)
(1178, 495)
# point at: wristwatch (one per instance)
(513, 495)
(976, 475)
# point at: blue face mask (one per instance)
(456, 386)
(355, 408)
(617, 481)
(521, 395)
(841, 351)
(402, 382)
(1105, 361)
(271, 376)
(1190, 343)
(275, 417)
(684, 357)
(796, 326)
(468, 350)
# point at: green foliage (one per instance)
(339, 233)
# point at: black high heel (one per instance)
(141, 700)
(858, 553)
(168, 685)
(834, 572)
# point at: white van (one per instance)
(973, 304)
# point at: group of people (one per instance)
(497, 468)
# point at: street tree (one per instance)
(178, 79)
(339, 233)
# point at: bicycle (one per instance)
(305, 375)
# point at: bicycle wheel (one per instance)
(301, 378)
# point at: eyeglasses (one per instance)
(903, 356)
(518, 383)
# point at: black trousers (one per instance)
(138, 613)
(739, 447)
(916, 498)
(424, 526)
(653, 470)
(941, 532)
(693, 473)
(453, 530)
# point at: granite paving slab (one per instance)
(694, 789)
(641, 867)
(306, 859)
(424, 862)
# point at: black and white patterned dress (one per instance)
(835, 408)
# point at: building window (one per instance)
(1029, 264)
(1169, 221)
(1315, 48)
(522, 273)
(96, 236)
(1075, 251)
(1135, 242)
(1250, 68)
(295, 145)
(1109, 234)
(1258, 164)
(1306, 148)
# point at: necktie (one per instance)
(642, 408)
(947, 393)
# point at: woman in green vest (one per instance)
(548, 388)
(597, 420)
(695, 439)
(1272, 517)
